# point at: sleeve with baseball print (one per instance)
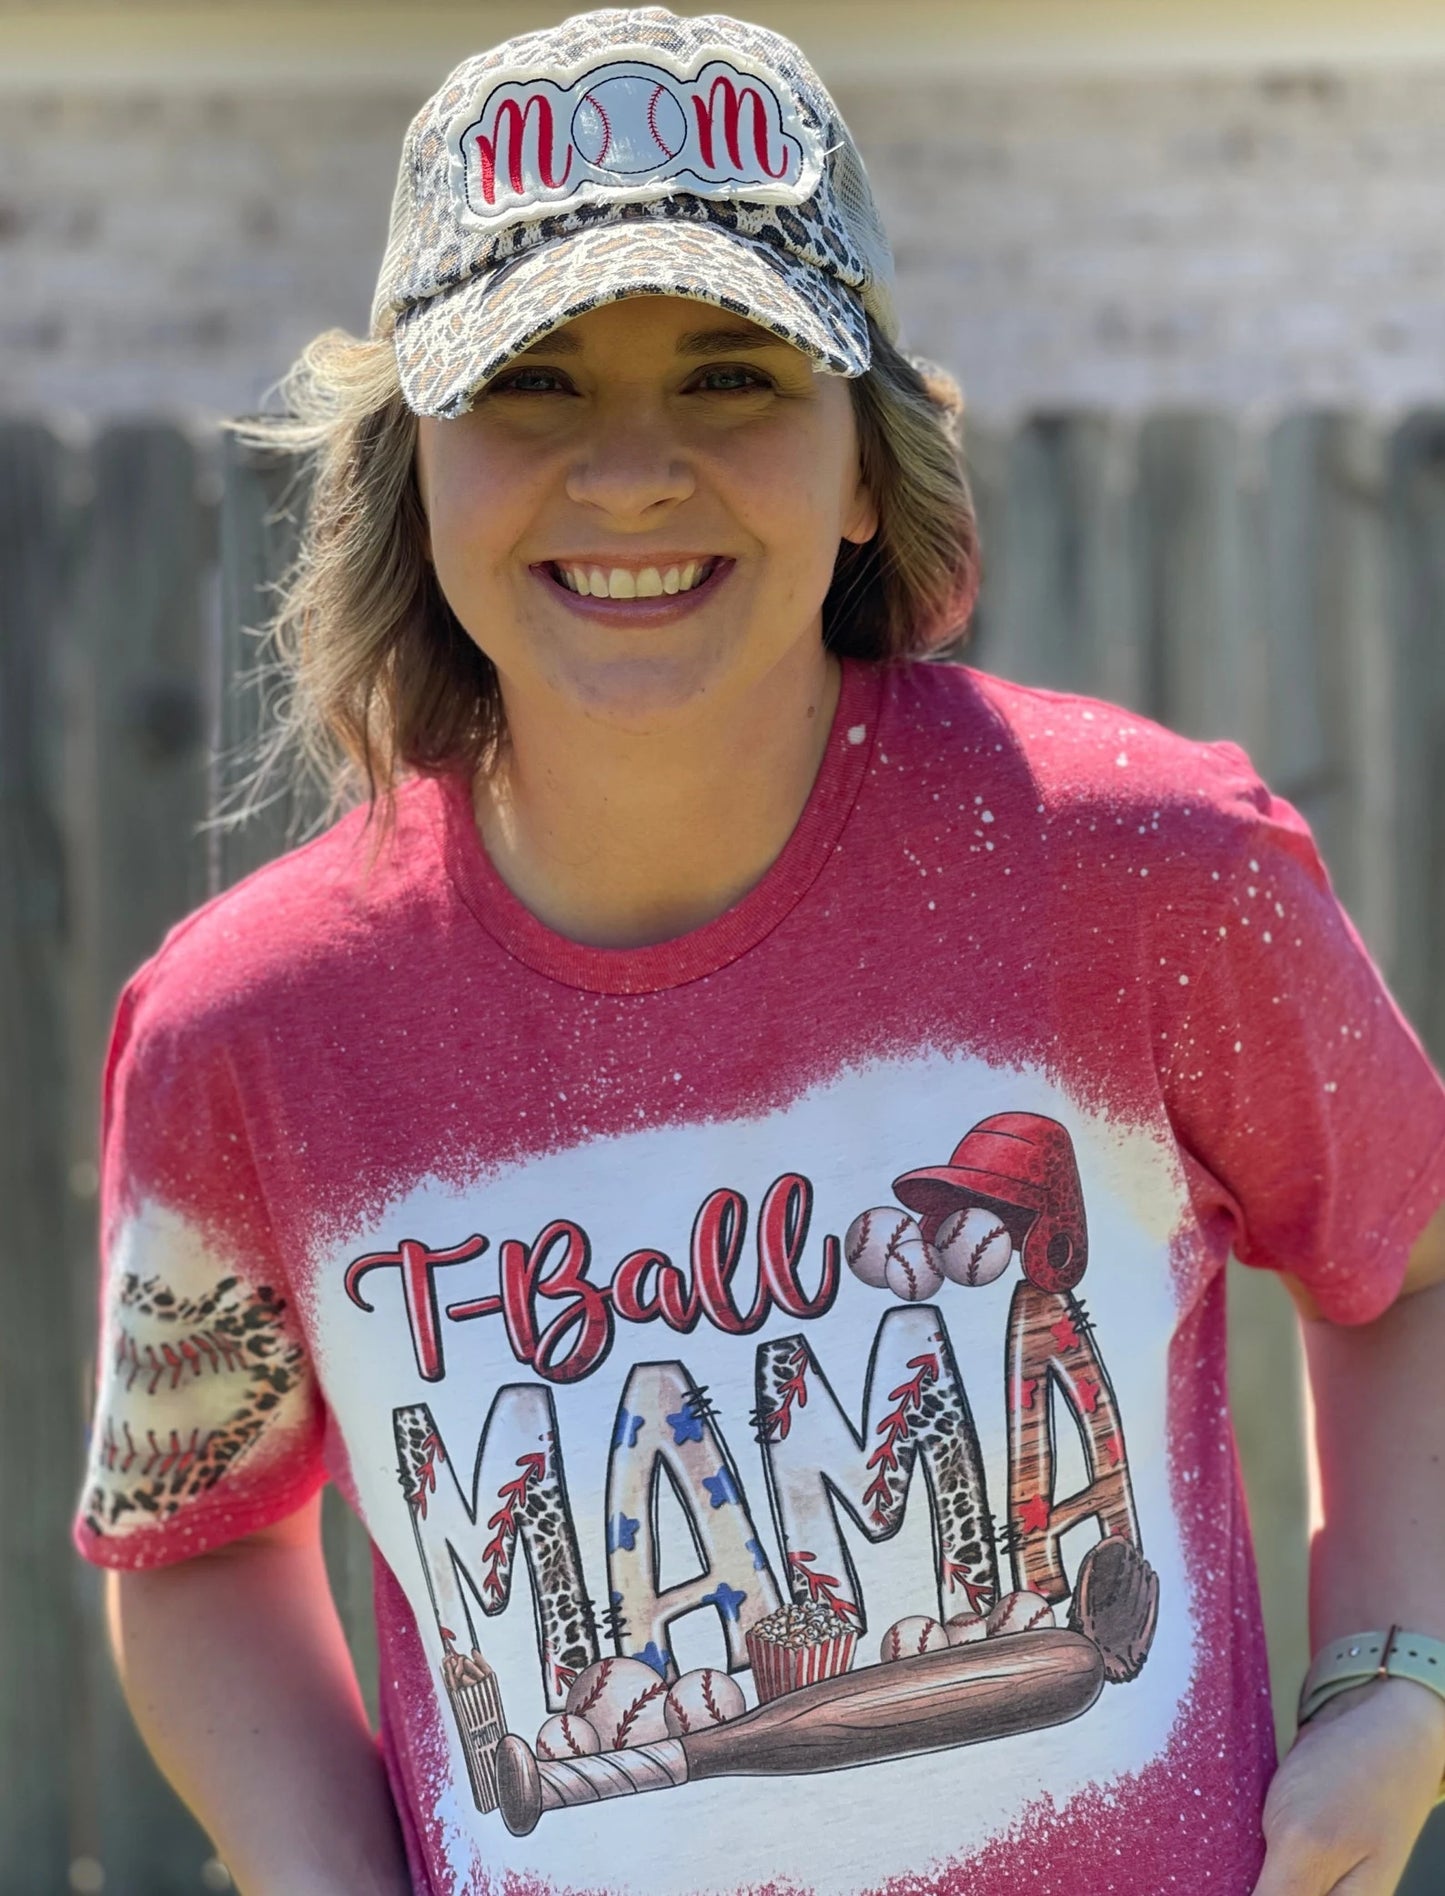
(1294, 1082)
(207, 1423)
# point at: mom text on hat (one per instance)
(630, 128)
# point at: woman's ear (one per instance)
(862, 521)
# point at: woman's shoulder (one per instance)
(291, 926)
(1080, 758)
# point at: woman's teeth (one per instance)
(621, 582)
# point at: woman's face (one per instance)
(644, 509)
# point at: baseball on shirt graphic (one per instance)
(813, 1675)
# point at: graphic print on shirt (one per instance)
(205, 1372)
(837, 1680)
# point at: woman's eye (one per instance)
(529, 382)
(727, 377)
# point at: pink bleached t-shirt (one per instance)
(781, 1370)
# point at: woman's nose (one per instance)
(630, 466)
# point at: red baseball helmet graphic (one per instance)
(1022, 1167)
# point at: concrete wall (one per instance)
(1241, 209)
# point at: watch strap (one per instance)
(1396, 1654)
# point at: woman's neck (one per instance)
(621, 840)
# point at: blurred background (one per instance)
(1187, 258)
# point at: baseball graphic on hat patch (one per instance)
(628, 124)
(720, 127)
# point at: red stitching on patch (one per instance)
(606, 132)
(657, 92)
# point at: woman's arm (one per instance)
(237, 1673)
(1348, 1801)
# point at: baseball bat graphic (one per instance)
(957, 1696)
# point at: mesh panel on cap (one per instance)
(865, 227)
(400, 239)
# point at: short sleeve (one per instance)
(1291, 1076)
(207, 1421)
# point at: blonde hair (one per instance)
(370, 676)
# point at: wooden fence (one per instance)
(1285, 587)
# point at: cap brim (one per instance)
(447, 347)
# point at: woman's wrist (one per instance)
(1415, 1705)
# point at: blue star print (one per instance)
(652, 1655)
(626, 1432)
(685, 1426)
(622, 1532)
(760, 1559)
(721, 1487)
(726, 1599)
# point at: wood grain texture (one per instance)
(1416, 499)
(1051, 1356)
(42, 1707)
(961, 1695)
(139, 689)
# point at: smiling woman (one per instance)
(659, 1188)
(370, 636)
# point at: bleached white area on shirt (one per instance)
(840, 1831)
(168, 1381)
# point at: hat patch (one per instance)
(630, 130)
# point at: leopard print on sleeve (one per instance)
(205, 1388)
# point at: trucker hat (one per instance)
(622, 153)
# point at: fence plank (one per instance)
(261, 506)
(262, 502)
(1068, 614)
(1417, 581)
(986, 455)
(1328, 652)
(137, 781)
(1196, 561)
(42, 1658)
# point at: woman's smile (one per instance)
(664, 589)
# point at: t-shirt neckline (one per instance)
(700, 951)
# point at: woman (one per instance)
(656, 1175)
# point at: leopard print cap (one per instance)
(624, 153)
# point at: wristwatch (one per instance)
(1359, 1657)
